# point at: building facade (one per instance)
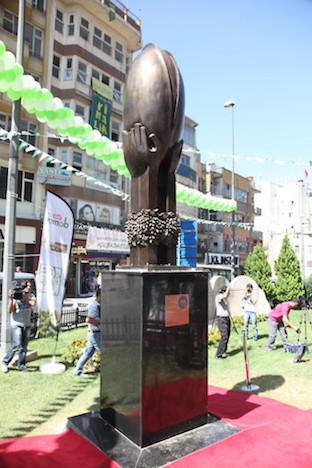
(215, 243)
(78, 50)
(286, 208)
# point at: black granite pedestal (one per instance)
(128, 455)
(154, 352)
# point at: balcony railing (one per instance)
(123, 12)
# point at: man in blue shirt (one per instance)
(94, 334)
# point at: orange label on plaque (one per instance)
(177, 310)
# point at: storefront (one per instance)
(86, 266)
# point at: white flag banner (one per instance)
(56, 241)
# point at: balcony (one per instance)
(186, 171)
(119, 16)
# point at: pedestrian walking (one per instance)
(278, 320)
(223, 320)
(94, 334)
(21, 302)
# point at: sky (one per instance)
(255, 52)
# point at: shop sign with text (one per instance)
(53, 176)
(220, 259)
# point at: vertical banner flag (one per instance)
(56, 241)
(101, 107)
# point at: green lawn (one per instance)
(33, 403)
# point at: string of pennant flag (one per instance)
(51, 111)
(260, 159)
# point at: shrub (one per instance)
(73, 352)
(46, 328)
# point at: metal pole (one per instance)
(11, 195)
(302, 216)
(249, 387)
(233, 198)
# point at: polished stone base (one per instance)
(122, 450)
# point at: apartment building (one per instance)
(187, 170)
(215, 246)
(81, 51)
(286, 208)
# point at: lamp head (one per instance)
(229, 103)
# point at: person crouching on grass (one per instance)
(278, 320)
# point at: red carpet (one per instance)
(284, 443)
(56, 451)
(272, 434)
(245, 410)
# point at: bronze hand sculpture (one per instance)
(153, 123)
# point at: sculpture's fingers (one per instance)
(137, 133)
(143, 139)
(133, 138)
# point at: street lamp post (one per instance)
(231, 104)
(11, 195)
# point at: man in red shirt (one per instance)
(278, 320)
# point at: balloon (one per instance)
(9, 60)
(13, 95)
(2, 48)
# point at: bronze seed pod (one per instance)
(153, 109)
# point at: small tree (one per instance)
(289, 283)
(258, 268)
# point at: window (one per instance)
(119, 52)
(117, 92)
(84, 29)
(51, 152)
(113, 177)
(97, 38)
(56, 66)
(5, 122)
(107, 44)
(105, 79)
(186, 160)
(10, 22)
(80, 110)
(67, 104)
(91, 163)
(115, 131)
(241, 195)
(35, 38)
(31, 129)
(64, 155)
(189, 136)
(77, 160)
(95, 74)
(59, 21)
(3, 182)
(82, 72)
(71, 25)
(25, 182)
(39, 5)
(127, 64)
(69, 69)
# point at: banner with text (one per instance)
(56, 241)
(101, 107)
(107, 240)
